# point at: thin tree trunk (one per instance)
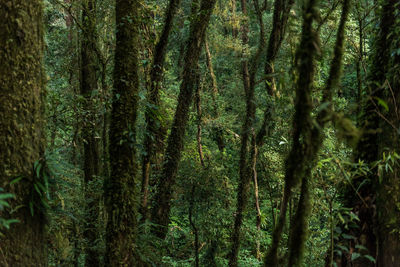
(121, 188)
(219, 137)
(162, 199)
(199, 118)
(195, 230)
(22, 138)
(249, 69)
(155, 128)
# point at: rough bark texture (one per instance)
(162, 199)
(379, 219)
(21, 129)
(155, 131)
(386, 70)
(120, 189)
(91, 166)
(300, 224)
(372, 209)
(302, 124)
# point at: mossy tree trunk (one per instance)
(380, 192)
(163, 196)
(155, 128)
(381, 136)
(388, 186)
(307, 138)
(91, 162)
(22, 137)
(120, 194)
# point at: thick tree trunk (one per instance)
(121, 188)
(376, 232)
(22, 138)
(162, 199)
(90, 142)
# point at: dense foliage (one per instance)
(210, 133)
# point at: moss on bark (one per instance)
(121, 193)
(163, 196)
(21, 124)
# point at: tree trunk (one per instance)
(376, 232)
(155, 128)
(249, 70)
(22, 138)
(121, 187)
(219, 136)
(90, 142)
(162, 199)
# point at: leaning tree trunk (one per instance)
(162, 199)
(120, 189)
(22, 138)
(155, 132)
(91, 166)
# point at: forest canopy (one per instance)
(200, 133)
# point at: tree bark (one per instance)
(162, 199)
(22, 138)
(90, 142)
(302, 124)
(155, 128)
(121, 187)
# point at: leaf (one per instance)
(5, 196)
(39, 166)
(382, 104)
(343, 248)
(37, 189)
(16, 180)
(361, 247)
(369, 257)
(355, 256)
(346, 236)
(31, 207)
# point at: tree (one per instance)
(380, 194)
(162, 199)
(22, 139)
(121, 188)
(154, 138)
(89, 89)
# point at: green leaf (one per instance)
(369, 257)
(37, 189)
(16, 180)
(31, 207)
(346, 236)
(361, 247)
(382, 104)
(343, 248)
(5, 196)
(355, 256)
